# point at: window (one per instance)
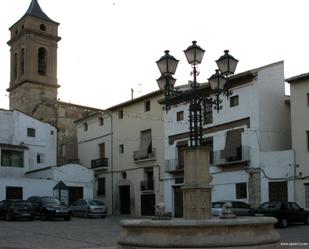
(30, 132)
(181, 147)
(85, 126)
(241, 190)
(42, 27)
(121, 148)
(101, 121)
(179, 116)
(102, 150)
(120, 114)
(15, 66)
(234, 101)
(62, 150)
(51, 132)
(207, 113)
(307, 140)
(307, 99)
(147, 106)
(22, 61)
(101, 186)
(40, 158)
(307, 194)
(42, 61)
(12, 158)
(145, 146)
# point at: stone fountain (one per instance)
(197, 229)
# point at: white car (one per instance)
(238, 207)
(88, 208)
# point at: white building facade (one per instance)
(249, 141)
(28, 161)
(124, 145)
(299, 89)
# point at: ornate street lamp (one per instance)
(197, 100)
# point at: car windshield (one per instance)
(50, 200)
(217, 204)
(96, 203)
(270, 205)
(22, 204)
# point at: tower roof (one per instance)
(35, 10)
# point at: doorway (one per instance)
(278, 191)
(178, 202)
(124, 195)
(14, 193)
(148, 202)
(75, 193)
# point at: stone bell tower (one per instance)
(33, 82)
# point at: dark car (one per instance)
(88, 208)
(285, 212)
(16, 209)
(238, 207)
(48, 207)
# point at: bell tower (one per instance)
(33, 81)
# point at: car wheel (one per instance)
(307, 220)
(283, 223)
(103, 216)
(31, 218)
(67, 217)
(8, 217)
(44, 215)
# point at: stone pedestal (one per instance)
(196, 190)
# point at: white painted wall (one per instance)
(13, 130)
(261, 100)
(300, 126)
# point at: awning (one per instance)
(232, 143)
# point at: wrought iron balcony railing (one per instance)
(239, 154)
(144, 155)
(99, 163)
(173, 165)
(147, 185)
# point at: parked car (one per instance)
(16, 209)
(238, 207)
(88, 208)
(285, 212)
(48, 207)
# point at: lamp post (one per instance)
(197, 100)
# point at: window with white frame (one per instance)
(12, 158)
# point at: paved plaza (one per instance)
(80, 233)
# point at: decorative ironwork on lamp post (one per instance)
(197, 100)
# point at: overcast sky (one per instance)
(110, 46)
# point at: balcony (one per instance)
(173, 166)
(143, 155)
(241, 157)
(99, 163)
(147, 185)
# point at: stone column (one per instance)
(254, 187)
(196, 190)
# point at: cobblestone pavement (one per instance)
(82, 233)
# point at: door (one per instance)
(278, 191)
(178, 202)
(148, 202)
(124, 195)
(14, 193)
(75, 193)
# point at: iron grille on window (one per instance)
(30, 132)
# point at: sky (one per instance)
(110, 46)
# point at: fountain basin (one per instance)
(240, 233)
